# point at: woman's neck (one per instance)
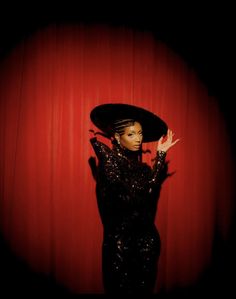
(126, 153)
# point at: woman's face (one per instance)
(132, 137)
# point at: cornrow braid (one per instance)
(120, 125)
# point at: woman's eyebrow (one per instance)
(133, 131)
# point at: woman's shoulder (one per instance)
(101, 149)
(95, 142)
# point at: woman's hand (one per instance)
(168, 143)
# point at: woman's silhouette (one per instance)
(127, 192)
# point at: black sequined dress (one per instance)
(127, 194)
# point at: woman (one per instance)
(127, 193)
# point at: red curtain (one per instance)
(49, 216)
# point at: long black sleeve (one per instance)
(115, 172)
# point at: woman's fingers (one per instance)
(173, 143)
(168, 143)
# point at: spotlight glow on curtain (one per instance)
(49, 84)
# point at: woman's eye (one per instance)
(130, 134)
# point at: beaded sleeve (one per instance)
(157, 170)
(159, 161)
(146, 180)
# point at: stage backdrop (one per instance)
(49, 218)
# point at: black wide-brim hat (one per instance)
(105, 115)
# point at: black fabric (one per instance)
(127, 194)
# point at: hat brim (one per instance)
(104, 115)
